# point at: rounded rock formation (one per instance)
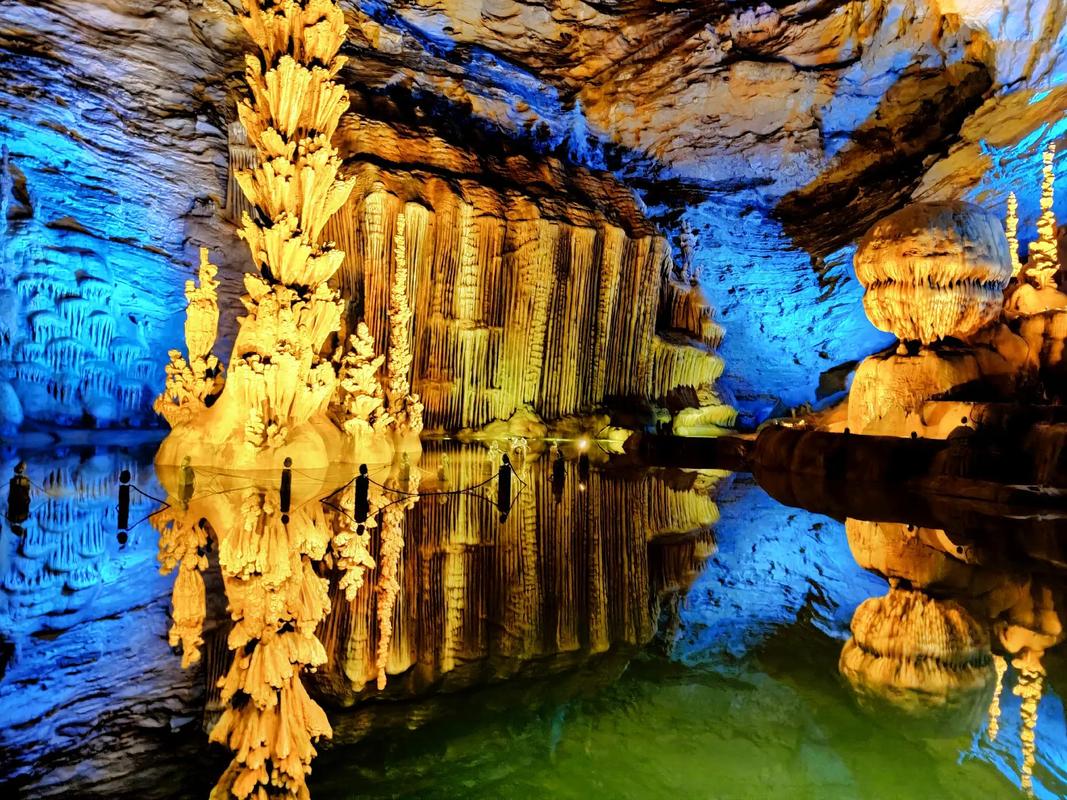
(933, 270)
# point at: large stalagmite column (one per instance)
(280, 377)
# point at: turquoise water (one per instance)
(603, 642)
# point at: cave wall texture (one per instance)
(774, 133)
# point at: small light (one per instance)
(583, 444)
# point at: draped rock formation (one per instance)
(531, 286)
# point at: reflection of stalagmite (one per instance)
(562, 580)
(392, 542)
(1029, 687)
(276, 601)
(1026, 630)
(993, 729)
(351, 546)
(181, 545)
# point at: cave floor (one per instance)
(599, 627)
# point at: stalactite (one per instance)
(1043, 260)
(934, 270)
(512, 309)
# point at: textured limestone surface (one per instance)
(775, 135)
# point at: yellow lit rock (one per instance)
(933, 270)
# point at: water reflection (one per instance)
(598, 638)
(466, 567)
(957, 614)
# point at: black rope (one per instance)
(140, 491)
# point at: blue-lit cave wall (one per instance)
(774, 136)
(113, 158)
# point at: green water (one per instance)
(780, 723)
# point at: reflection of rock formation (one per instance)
(958, 614)
(67, 543)
(87, 683)
(439, 587)
(574, 571)
(916, 651)
(275, 601)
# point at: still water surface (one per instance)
(620, 632)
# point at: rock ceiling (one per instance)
(776, 132)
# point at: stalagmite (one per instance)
(405, 407)
(190, 384)
(1043, 261)
(360, 403)
(1011, 231)
(280, 381)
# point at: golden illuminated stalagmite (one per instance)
(191, 382)
(405, 407)
(1011, 231)
(1043, 261)
(933, 270)
(280, 379)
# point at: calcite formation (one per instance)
(282, 380)
(934, 270)
(310, 589)
(743, 120)
(530, 287)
